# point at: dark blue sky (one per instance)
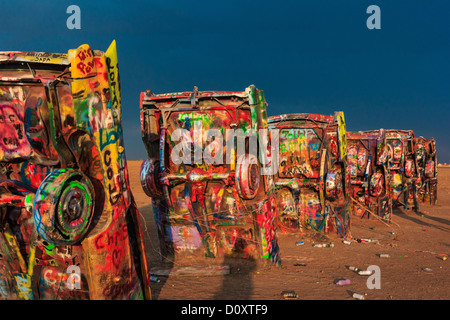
(308, 56)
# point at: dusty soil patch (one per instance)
(418, 242)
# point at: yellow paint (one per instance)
(342, 134)
(31, 260)
(23, 283)
(52, 58)
(13, 245)
(111, 56)
(82, 65)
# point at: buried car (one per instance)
(370, 181)
(402, 164)
(312, 184)
(70, 228)
(210, 195)
(427, 164)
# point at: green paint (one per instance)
(52, 126)
(77, 184)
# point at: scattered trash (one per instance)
(427, 269)
(425, 230)
(343, 282)
(366, 240)
(347, 242)
(289, 295)
(300, 264)
(443, 257)
(358, 296)
(360, 272)
(364, 272)
(323, 245)
(300, 243)
(384, 255)
(154, 279)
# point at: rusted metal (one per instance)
(70, 228)
(426, 156)
(203, 207)
(404, 171)
(313, 183)
(370, 177)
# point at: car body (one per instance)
(70, 228)
(370, 181)
(404, 171)
(312, 183)
(207, 208)
(427, 164)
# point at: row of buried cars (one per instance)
(224, 179)
(322, 174)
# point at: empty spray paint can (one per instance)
(343, 282)
(384, 255)
(364, 272)
(323, 245)
(154, 279)
(289, 295)
(358, 296)
(300, 264)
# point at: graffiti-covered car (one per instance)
(370, 181)
(312, 184)
(209, 192)
(427, 164)
(404, 172)
(70, 228)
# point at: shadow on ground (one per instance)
(417, 218)
(154, 257)
(238, 285)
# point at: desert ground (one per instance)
(415, 269)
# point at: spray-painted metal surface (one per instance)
(370, 180)
(313, 183)
(404, 171)
(427, 163)
(70, 228)
(206, 201)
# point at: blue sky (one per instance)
(308, 56)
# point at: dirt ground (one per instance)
(418, 243)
